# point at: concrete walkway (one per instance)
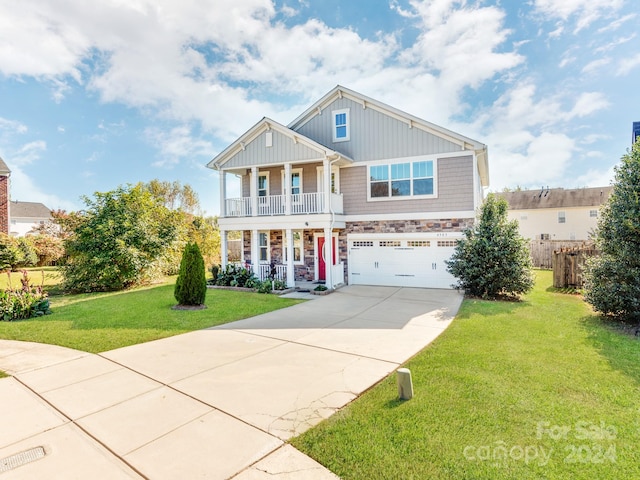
(217, 403)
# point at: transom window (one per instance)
(341, 130)
(398, 180)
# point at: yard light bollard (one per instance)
(405, 385)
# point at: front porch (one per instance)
(292, 256)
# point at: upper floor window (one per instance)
(562, 218)
(593, 213)
(402, 180)
(341, 127)
(296, 181)
(263, 184)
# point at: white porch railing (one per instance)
(264, 272)
(301, 204)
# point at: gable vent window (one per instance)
(341, 130)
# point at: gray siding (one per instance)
(283, 150)
(374, 135)
(455, 191)
(309, 179)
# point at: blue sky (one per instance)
(98, 94)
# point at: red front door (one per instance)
(322, 265)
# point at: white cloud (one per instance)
(177, 144)
(585, 11)
(627, 64)
(595, 65)
(588, 103)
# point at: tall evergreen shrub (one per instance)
(191, 285)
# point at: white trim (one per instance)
(316, 262)
(335, 171)
(347, 125)
(285, 243)
(263, 174)
(279, 222)
(411, 196)
(283, 182)
(403, 236)
(460, 214)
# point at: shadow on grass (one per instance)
(616, 342)
(476, 306)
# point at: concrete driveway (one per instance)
(217, 403)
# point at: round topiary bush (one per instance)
(191, 285)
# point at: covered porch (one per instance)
(290, 255)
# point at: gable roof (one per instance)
(4, 170)
(28, 210)
(267, 124)
(556, 198)
(339, 91)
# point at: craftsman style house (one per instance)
(352, 191)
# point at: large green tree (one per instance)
(612, 279)
(117, 241)
(492, 260)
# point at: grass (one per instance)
(529, 390)
(100, 322)
(48, 277)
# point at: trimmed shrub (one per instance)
(191, 285)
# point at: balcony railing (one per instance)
(301, 204)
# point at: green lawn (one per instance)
(48, 277)
(100, 322)
(530, 390)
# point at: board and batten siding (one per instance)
(309, 179)
(455, 191)
(374, 135)
(283, 150)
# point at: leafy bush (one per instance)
(612, 279)
(321, 288)
(492, 260)
(264, 287)
(236, 276)
(25, 302)
(191, 285)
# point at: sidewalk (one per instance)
(217, 403)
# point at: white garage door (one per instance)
(402, 262)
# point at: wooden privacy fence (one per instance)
(568, 264)
(542, 250)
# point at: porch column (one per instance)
(328, 257)
(224, 249)
(291, 272)
(255, 252)
(253, 192)
(223, 194)
(326, 174)
(287, 189)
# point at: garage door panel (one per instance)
(401, 262)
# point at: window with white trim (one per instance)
(263, 242)
(398, 180)
(562, 218)
(263, 184)
(296, 181)
(341, 127)
(297, 247)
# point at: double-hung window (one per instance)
(297, 247)
(263, 239)
(402, 180)
(341, 127)
(263, 184)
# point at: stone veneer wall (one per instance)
(4, 204)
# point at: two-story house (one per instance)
(352, 191)
(556, 213)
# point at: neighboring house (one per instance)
(557, 214)
(5, 173)
(352, 191)
(26, 216)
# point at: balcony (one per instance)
(299, 204)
